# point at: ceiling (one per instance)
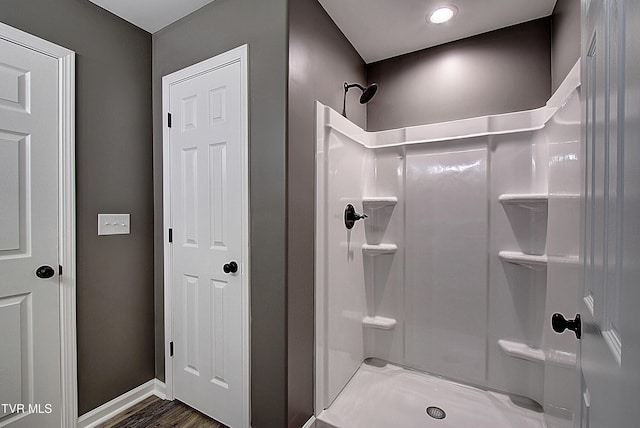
(381, 29)
(378, 29)
(151, 15)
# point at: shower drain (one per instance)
(436, 412)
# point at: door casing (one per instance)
(66, 213)
(239, 54)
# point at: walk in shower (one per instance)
(436, 307)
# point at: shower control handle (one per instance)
(231, 267)
(351, 216)
(560, 324)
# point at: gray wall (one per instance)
(565, 40)
(114, 174)
(320, 61)
(497, 72)
(216, 28)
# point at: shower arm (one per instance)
(348, 86)
(367, 94)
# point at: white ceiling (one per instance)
(378, 29)
(151, 15)
(381, 29)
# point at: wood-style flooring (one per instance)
(154, 412)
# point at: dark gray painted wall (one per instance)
(565, 40)
(497, 72)
(320, 61)
(216, 28)
(113, 174)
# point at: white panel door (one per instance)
(205, 140)
(610, 357)
(29, 305)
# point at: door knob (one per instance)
(231, 267)
(45, 272)
(560, 324)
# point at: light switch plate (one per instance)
(113, 224)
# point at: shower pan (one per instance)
(437, 308)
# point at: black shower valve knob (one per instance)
(351, 216)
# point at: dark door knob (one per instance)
(45, 272)
(560, 324)
(231, 267)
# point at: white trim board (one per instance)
(122, 403)
(241, 55)
(66, 214)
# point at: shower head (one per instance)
(367, 94)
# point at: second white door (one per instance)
(208, 219)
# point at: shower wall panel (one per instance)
(386, 225)
(561, 380)
(446, 259)
(347, 167)
(516, 293)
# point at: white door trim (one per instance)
(67, 213)
(239, 54)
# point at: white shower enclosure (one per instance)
(470, 245)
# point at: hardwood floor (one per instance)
(157, 413)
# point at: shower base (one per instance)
(383, 395)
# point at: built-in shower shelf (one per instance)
(562, 358)
(527, 260)
(522, 350)
(533, 201)
(377, 249)
(379, 202)
(381, 323)
(564, 260)
(564, 196)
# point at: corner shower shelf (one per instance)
(521, 350)
(526, 260)
(533, 201)
(379, 202)
(381, 323)
(565, 260)
(374, 250)
(564, 196)
(562, 359)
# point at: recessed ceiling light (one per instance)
(442, 14)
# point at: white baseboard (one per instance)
(160, 389)
(310, 423)
(122, 403)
